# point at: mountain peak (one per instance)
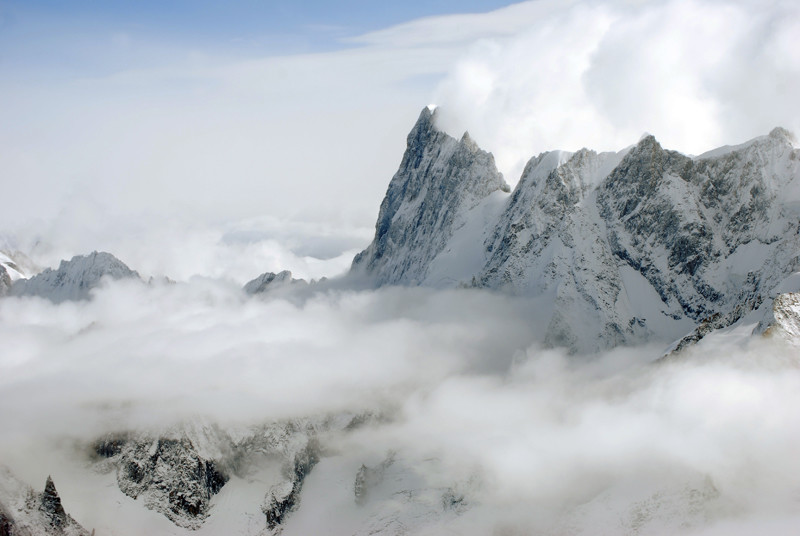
(647, 140)
(74, 278)
(425, 126)
(51, 505)
(782, 134)
(439, 181)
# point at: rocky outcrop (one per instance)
(24, 512)
(270, 281)
(638, 246)
(74, 279)
(50, 506)
(782, 319)
(5, 281)
(284, 497)
(440, 184)
(178, 472)
(175, 474)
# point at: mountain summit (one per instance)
(640, 245)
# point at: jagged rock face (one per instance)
(74, 279)
(5, 282)
(269, 281)
(177, 473)
(51, 506)
(680, 222)
(284, 497)
(439, 182)
(171, 474)
(24, 512)
(782, 319)
(645, 244)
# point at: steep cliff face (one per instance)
(707, 233)
(440, 183)
(641, 245)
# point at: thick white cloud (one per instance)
(695, 73)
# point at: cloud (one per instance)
(536, 440)
(695, 73)
(218, 138)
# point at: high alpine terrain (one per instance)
(607, 250)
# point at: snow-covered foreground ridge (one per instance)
(639, 245)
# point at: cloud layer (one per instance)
(598, 74)
(535, 440)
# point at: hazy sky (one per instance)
(252, 121)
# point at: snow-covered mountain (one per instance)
(640, 245)
(442, 186)
(614, 248)
(25, 512)
(74, 279)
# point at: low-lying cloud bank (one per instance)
(541, 442)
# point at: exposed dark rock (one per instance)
(5, 281)
(51, 505)
(171, 476)
(283, 498)
(270, 281)
(439, 180)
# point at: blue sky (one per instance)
(86, 34)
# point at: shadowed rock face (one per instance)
(641, 245)
(51, 506)
(178, 472)
(170, 476)
(439, 181)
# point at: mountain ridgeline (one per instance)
(621, 248)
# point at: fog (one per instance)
(536, 440)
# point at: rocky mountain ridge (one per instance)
(640, 245)
(73, 279)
